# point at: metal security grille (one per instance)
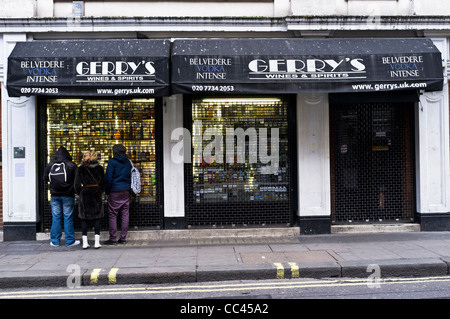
(83, 124)
(229, 181)
(372, 165)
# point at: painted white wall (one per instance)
(431, 7)
(370, 7)
(313, 154)
(432, 158)
(44, 8)
(17, 8)
(18, 130)
(380, 7)
(167, 9)
(173, 170)
(432, 145)
(275, 8)
(318, 7)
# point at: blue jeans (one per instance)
(62, 206)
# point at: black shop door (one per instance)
(372, 162)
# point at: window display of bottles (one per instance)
(83, 124)
(221, 179)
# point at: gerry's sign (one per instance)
(301, 66)
(115, 68)
(89, 68)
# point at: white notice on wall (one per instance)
(19, 170)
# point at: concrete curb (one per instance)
(33, 279)
(425, 267)
(395, 267)
(236, 272)
(128, 276)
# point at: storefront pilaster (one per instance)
(314, 210)
(18, 156)
(432, 152)
(174, 213)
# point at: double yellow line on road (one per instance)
(200, 288)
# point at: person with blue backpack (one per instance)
(118, 186)
(61, 174)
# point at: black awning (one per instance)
(409, 96)
(89, 68)
(305, 65)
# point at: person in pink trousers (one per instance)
(118, 186)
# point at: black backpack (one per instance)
(58, 176)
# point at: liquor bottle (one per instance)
(141, 132)
(141, 172)
(147, 155)
(130, 134)
(134, 129)
(109, 113)
(144, 178)
(142, 155)
(152, 156)
(111, 131)
(126, 113)
(121, 113)
(133, 154)
(152, 113)
(145, 132)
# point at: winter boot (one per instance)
(85, 242)
(97, 242)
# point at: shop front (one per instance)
(92, 95)
(372, 153)
(241, 172)
(341, 117)
(270, 132)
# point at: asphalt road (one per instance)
(282, 289)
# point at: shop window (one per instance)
(83, 124)
(240, 172)
(250, 169)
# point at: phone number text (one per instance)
(39, 90)
(213, 88)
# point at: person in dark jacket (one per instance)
(118, 185)
(90, 185)
(61, 174)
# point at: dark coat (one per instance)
(66, 188)
(118, 171)
(90, 205)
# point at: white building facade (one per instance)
(377, 154)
